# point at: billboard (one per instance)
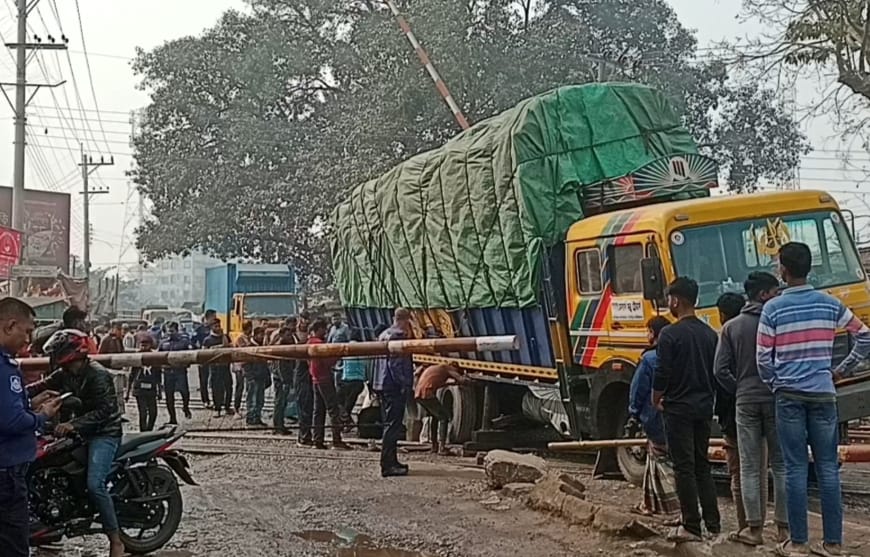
(46, 226)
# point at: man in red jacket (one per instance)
(325, 399)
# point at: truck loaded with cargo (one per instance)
(261, 293)
(561, 220)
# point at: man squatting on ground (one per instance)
(430, 381)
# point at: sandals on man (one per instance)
(789, 549)
(745, 537)
(825, 550)
(681, 535)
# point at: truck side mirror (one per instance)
(653, 278)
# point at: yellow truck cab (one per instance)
(617, 265)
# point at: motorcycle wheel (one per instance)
(161, 518)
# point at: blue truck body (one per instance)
(224, 281)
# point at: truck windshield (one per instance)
(279, 305)
(721, 256)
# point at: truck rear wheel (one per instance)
(461, 403)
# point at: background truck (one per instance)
(262, 293)
(561, 221)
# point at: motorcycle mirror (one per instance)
(71, 403)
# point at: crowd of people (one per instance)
(307, 391)
(768, 378)
(27, 407)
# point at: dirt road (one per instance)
(309, 503)
(314, 503)
(276, 500)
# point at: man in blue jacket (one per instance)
(175, 378)
(18, 427)
(156, 330)
(394, 382)
(640, 406)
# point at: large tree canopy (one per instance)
(256, 128)
(827, 33)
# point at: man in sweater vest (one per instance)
(795, 348)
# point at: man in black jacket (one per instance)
(302, 386)
(98, 421)
(283, 376)
(145, 383)
(683, 391)
(257, 380)
(218, 376)
(200, 335)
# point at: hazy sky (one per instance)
(113, 29)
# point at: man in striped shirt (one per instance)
(795, 348)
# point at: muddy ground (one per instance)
(302, 502)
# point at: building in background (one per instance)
(176, 280)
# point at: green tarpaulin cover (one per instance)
(465, 225)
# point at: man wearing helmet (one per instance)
(98, 421)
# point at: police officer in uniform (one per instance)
(175, 378)
(20, 419)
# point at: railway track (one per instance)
(248, 443)
(245, 442)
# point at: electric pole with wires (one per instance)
(24, 51)
(89, 165)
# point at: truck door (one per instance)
(608, 312)
(626, 325)
(585, 289)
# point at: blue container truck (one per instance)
(262, 293)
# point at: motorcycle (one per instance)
(142, 484)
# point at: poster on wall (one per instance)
(10, 250)
(46, 226)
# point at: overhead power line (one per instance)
(124, 112)
(90, 73)
(80, 119)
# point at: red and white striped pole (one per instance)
(424, 57)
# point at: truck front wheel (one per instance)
(613, 415)
(631, 460)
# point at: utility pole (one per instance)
(134, 128)
(20, 119)
(22, 99)
(88, 167)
